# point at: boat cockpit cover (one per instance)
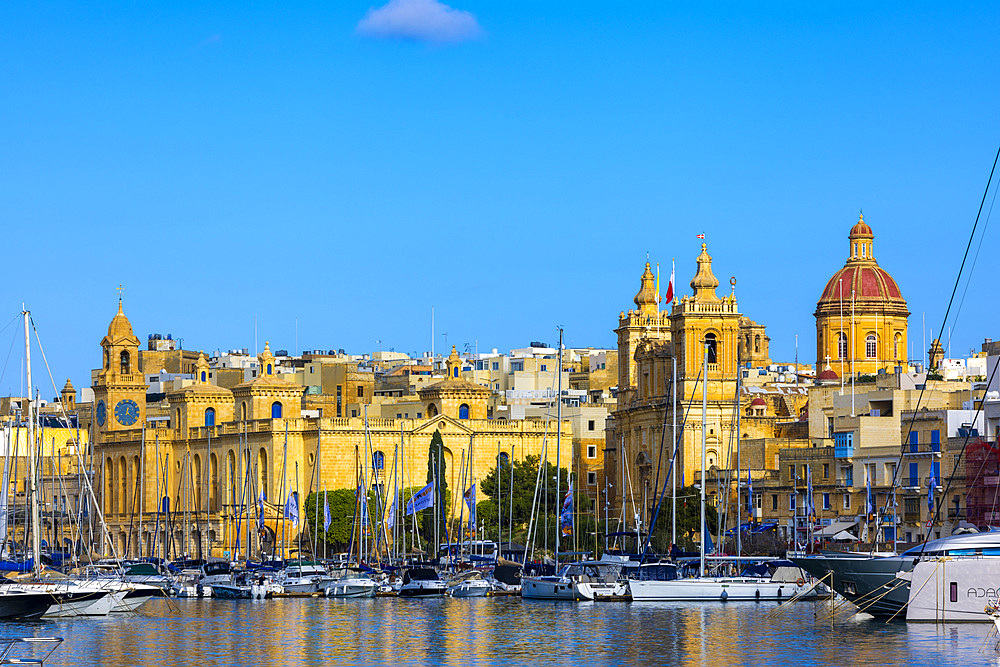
(419, 574)
(507, 574)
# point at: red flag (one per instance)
(669, 296)
(701, 236)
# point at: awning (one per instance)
(844, 536)
(834, 528)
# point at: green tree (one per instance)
(497, 486)
(436, 469)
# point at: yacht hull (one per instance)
(713, 589)
(870, 583)
(953, 589)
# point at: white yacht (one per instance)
(469, 584)
(305, 577)
(576, 581)
(357, 585)
(421, 582)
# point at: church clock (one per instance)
(127, 412)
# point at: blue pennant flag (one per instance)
(390, 515)
(566, 516)
(470, 500)
(363, 508)
(749, 494)
(930, 492)
(421, 500)
(327, 519)
(869, 501)
(292, 508)
(260, 507)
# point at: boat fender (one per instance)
(756, 595)
(800, 581)
(724, 596)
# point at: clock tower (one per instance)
(120, 387)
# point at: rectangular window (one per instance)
(590, 425)
(419, 415)
(953, 589)
(340, 407)
(591, 478)
(791, 471)
(354, 413)
(496, 365)
(399, 415)
(914, 478)
(847, 501)
(517, 366)
(826, 501)
(774, 501)
(757, 498)
(361, 391)
(826, 471)
(791, 501)
(936, 472)
(591, 451)
(544, 368)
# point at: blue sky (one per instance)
(233, 161)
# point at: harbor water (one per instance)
(495, 631)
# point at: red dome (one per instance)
(868, 280)
(828, 374)
(861, 229)
(758, 401)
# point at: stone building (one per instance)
(214, 453)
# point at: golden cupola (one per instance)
(647, 300)
(704, 281)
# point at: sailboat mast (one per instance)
(739, 512)
(558, 437)
(36, 538)
(704, 414)
(673, 475)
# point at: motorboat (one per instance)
(67, 598)
(576, 581)
(469, 584)
(421, 582)
(305, 577)
(357, 585)
(211, 574)
(880, 585)
(505, 578)
(16, 604)
(724, 589)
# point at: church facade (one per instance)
(218, 452)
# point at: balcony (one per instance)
(922, 451)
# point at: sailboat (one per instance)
(711, 588)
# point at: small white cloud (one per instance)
(420, 20)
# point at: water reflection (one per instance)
(386, 631)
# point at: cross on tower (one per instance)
(828, 360)
(120, 290)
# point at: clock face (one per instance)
(127, 412)
(102, 413)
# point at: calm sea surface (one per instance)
(501, 631)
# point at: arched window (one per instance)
(864, 247)
(109, 472)
(897, 339)
(710, 348)
(456, 371)
(209, 416)
(125, 366)
(107, 359)
(213, 482)
(196, 481)
(230, 498)
(269, 369)
(378, 460)
(204, 376)
(432, 411)
(123, 480)
(747, 348)
(463, 411)
(504, 459)
(871, 346)
(276, 410)
(841, 345)
(756, 344)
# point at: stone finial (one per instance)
(646, 299)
